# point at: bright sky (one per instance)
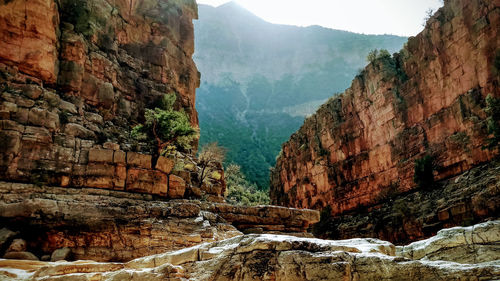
(399, 17)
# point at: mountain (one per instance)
(259, 80)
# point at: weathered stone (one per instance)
(79, 131)
(6, 236)
(139, 160)
(165, 164)
(38, 54)
(32, 91)
(119, 157)
(106, 95)
(101, 155)
(176, 187)
(61, 254)
(20, 256)
(473, 244)
(111, 145)
(18, 245)
(68, 107)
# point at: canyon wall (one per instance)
(360, 148)
(77, 76)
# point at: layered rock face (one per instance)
(105, 225)
(275, 257)
(76, 76)
(429, 99)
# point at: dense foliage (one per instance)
(240, 192)
(165, 126)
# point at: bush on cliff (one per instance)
(240, 192)
(165, 127)
(211, 156)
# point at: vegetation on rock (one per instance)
(165, 126)
(210, 155)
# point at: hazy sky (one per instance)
(399, 17)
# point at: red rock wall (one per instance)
(428, 99)
(76, 76)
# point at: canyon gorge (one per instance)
(82, 197)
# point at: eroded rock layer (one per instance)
(76, 76)
(105, 225)
(428, 99)
(275, 257)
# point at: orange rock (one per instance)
(428, 99)
(28, 32)
(176, 187)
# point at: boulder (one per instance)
(61, 254)
(6, 236)
(20, 256)
(18, 245)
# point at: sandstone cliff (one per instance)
(360, 148)
(76, 76)
(454, 254)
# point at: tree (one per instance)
(375, 54)
(165, 126)
(372, 55)
(210, 155)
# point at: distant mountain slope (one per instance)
(259, 80)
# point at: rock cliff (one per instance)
(77, 76)
(275, 257)
(360, 148)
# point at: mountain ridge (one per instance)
(254, 73)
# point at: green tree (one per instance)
(240, 192)
(165, 126)
(493, 121)
(375, 54)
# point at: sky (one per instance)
(398, 17)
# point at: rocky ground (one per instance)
(104, 225)
(470, 253)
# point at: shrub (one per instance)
(211, 154)
(165, 127)
(424, 168)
